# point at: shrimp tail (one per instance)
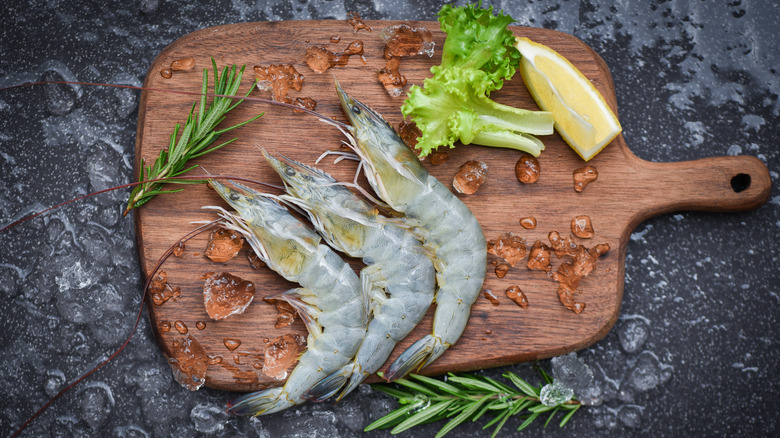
(417, 356)
(355, 379)
(347, 379)
(330, 385)
(258, 403)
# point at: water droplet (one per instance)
(200, 325)
(490, 296)
(166, 73)
(181, 327)
(285, 314)
(528, 223)
(178, 250)
(584, 176)
(501, 270)
(183, 64)
(517, 295)
(527, 169)
(231, 343)
(582, 227)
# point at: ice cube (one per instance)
(571, 371)
(630, 416)
(646, 373)
(54, 382)
(555, 393)
(632, 334)
(97, 402)
(208, 418)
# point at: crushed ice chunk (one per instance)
(555, 393)
(54, 382)
(646, 373)
(630, 416)
(350, 414)
(632, 335)
(752, 121)
(148, 6)
(208, 418)
(97, 402)
(282, 353)
(74, 277)
(61, 99)
(311, 424)
(226, 294)
(260, 430)
(606, 418)
(571, 371)
(189, 362)
(734, 150)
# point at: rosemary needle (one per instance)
(467, 397)
(197, 136)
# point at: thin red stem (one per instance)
(157, 266)
(186, 177)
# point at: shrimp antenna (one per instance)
(188, 93)
(232, 180)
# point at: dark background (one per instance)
(695, 352)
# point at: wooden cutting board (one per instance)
(628, 190)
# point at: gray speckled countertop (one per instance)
(694, 353)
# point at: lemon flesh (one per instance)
(581, 115)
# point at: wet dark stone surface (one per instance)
(695, 352)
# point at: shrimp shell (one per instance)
(400, 276)
(330, 301)
(445, 224)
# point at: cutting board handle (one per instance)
(729, 183)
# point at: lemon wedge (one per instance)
(581, 115)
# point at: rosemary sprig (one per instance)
(467, 397)
(196, 137)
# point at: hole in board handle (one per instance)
(740, 182)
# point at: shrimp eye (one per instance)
(289, 171)
(233, 196)
(355, 109)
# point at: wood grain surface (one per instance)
(628, 191)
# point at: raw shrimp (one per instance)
(446, 226)
(330, 302)
(400, 276)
